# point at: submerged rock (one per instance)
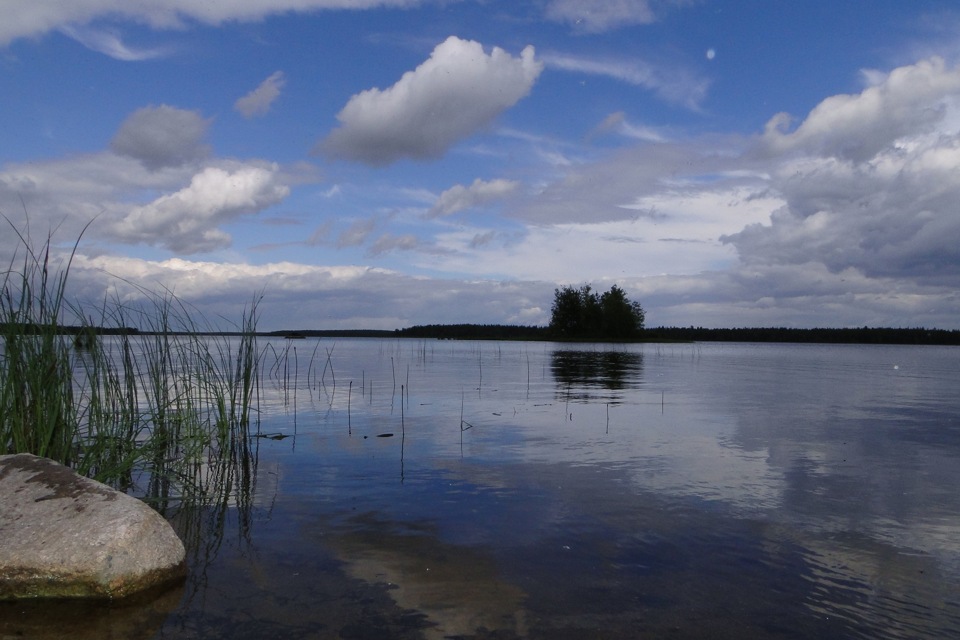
(66, 536)
(137, 617)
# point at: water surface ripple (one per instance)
(433, 489)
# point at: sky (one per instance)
(380, 164)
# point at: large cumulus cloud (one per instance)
(869, 181)
(188, 220)
(457, 91)
(908, 102)
(157, 185)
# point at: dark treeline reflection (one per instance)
(580, 374)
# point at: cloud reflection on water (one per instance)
(785, 490)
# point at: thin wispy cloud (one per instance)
(597, 16)
(32, 18)
(480, 192)
(357, 233)
(617, 123)
(258, 102)
(388, 242)
(674, 85)
(109, 42)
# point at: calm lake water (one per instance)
(434, 489)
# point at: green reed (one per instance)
(36, 395)
(166, 413)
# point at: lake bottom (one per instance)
(562, 552)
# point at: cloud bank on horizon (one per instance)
(379, 164)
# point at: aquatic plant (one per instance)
(165, 411)
(36, 395)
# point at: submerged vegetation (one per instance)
(164, 414)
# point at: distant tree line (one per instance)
(26, 328)
(329, 333)
(582, 314)
(585, 321)
(474, 332)
(861, 335)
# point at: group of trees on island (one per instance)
(583, 314)
(862, 335)
(578, 313)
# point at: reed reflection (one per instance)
(584, 376)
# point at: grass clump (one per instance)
(164, 412)
(36, 390)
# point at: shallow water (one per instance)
(431, 489)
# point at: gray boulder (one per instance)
(66, 536)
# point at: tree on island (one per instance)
(582, 314)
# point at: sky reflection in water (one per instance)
(565, 491)
(777, 491)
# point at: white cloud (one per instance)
(188, 221)
(607, 188)
(312, 296)
(357, 233)
(32, 18)
(869, 182)
(674, 85)
(120, 198)
(595, 16)
(572, 252)
(108, 42)
(67, 194)
(259, 101)
(850, 219)
(848, 215)
(459, 90)
(617, 123)
(911, 100)
(803, 295)
(162, 136)
(863, 190)
(459, 197)
(389, 242)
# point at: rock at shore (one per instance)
(66, 536)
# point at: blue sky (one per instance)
(380, 164)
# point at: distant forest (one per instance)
(862, 335)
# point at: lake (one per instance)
(434, 489)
